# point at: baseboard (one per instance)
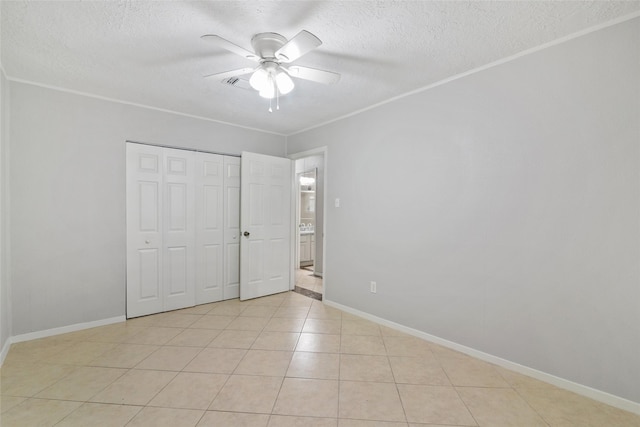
(5, 350)
(601, 396)
(66, 329)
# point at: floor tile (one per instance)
(370, 401)
(321, 311)
(290, 421)
(308, 397)
(227, 310)
(198, 309)
(268, 340)
(293, 312)
(169, 358)
(472, 373)
(418, 370)
(190, 390)
(80, 353)
(136, 387)
(322, 326)
(30, 379)
(38, 412)
(248, 323)
(365, 423)
(320, 343)
(178, 320)
(517, 380)
(234, 339)
(124, 355)
(362, 344)
(285, 324)
(116, 333)
(407, 346)
(563, 408)
(235, 419)
(250, 363)
(212, 322)
(216, 360)
(154, 336)
(259, 311)
(314, 365)
(435, 405)
(8, 402)
(264, 362)
(248, 393)
(356, 367)
(36, 350)
(82, 384)
(100, 415)
(166, 417)
(360, 327)
(390, 332)
(194, 337)
(499, 407)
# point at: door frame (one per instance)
(294, 190)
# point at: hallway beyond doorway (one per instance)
(308, 284)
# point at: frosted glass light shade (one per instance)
(269, 90)
(284, 82)
(259, 79)
(270, 81)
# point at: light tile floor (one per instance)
(305, 279)
(279, 361)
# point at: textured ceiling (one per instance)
(150, 52)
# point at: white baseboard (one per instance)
(66, 329)
(601, 396)
(5, 350)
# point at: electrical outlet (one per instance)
(374, 287)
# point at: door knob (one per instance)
(147, 242)
(246, 234)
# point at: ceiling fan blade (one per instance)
(313, 74)
(300, 44)
(232, 73)
(226, 44)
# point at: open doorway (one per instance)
(309, 230)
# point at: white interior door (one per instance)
(231, 228)
(179, 229)
(144, 229)
(209, 227)
(265, 218)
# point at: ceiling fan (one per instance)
(271, 50)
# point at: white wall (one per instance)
(68, 197)
(500, 210)
(5, 301)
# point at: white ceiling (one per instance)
(150, 52)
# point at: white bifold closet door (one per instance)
(182, 246)
(217, 227)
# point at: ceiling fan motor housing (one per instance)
(267, 44)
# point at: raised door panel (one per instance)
(179, 231)
(144, 196)
(231, 242)
(209, 227)
(265, 213)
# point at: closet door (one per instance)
(231, 227)
(144, 230)
(209, 227)
(179, 260)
